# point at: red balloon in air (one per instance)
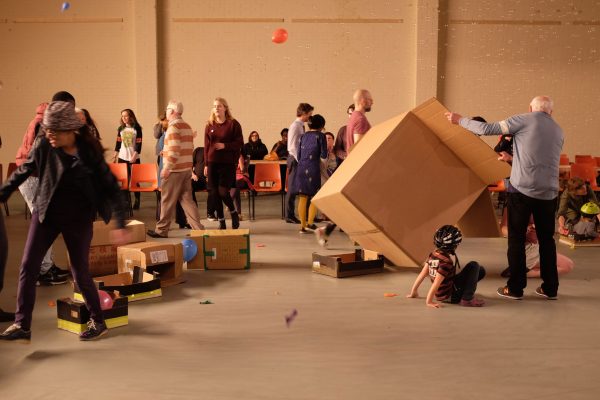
(280, 35)
(106, 301)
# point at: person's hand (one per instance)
(219, 146)
(115, 157)
(453, 117)
(164, 174)
(206, 171)
(119, 237)
(563, 231)
(434, 305)
(160, 153)
(194, 177)
(412, 295)
(134, 157)
(504, 156)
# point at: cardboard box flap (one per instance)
(480, 220)
(101, 231)
(220, 232)
(473, 151)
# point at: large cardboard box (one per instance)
(361, 262)
(407, 177)
(222, 249)
(136, 285)
(73, 315)
(165, 259)
(103, 255)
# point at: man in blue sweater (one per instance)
(533, 189)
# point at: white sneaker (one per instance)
(321, 237)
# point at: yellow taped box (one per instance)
(74, 315)
(165, 259)
(136, 285)
(221, 249)
(361, 262)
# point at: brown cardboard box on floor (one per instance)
(222, 249)
(103, 255)
(361, 262)
(407, 177)
(166, 259)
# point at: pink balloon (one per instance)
(106, 301)
(280, 35)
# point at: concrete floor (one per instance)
(347, 342)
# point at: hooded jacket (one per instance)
(45, 160)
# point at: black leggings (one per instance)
(465, 282)
(221, 178)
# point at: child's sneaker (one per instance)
(505, 292)
(94, 330)
(474, 302)
(321, 236)
(540, 292)
(304, 231)
(16, 333)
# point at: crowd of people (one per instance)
(66, 183)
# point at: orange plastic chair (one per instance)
(597, 161)
(144, 178)
(584, 159)
(587, 172)
(267, 179)
(564, 159)
(119, 170)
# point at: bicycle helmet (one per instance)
(447, 238)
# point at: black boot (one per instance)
(235, 220)
(6, 316)
(222, 224)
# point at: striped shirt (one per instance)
(441, 263)
(179, 146)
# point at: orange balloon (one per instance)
(280, 35)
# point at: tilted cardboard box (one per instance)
(166, 259)
(361, 262)
(407, 177)
(136, 285)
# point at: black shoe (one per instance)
(292, 220)
(540, 292)
(155, 234)
(6, 316)
(505, 292)
(60, 272)
(16, 334)
(312, 227)
(94, 331)
(50, 278)
(211, 217)
(235, 220)
(222, 224)
(136, 204)
(185, 226)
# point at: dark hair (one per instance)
(284, 131)
(93, 149)
(90, 122)
(132, 115)
(63, 96)
(316, 122)
(250, 136)
(303, 108)
(330, 134)
(351, 107)
(478, 118)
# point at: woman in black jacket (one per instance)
(75, 183)
(255, 149)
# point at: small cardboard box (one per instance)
(103, 255)
(166, 259)
(223, 249)
(361, 262)
(73, 315)
(407, 177)
(136, 285)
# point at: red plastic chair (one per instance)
(564, 159)
(587, 172)
(267, 179)
(144, 178)
(119, 170)
(584, 159)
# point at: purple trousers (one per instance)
(77, 233)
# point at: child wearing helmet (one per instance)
(587, 226)
(577, 195)
(446, 284)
